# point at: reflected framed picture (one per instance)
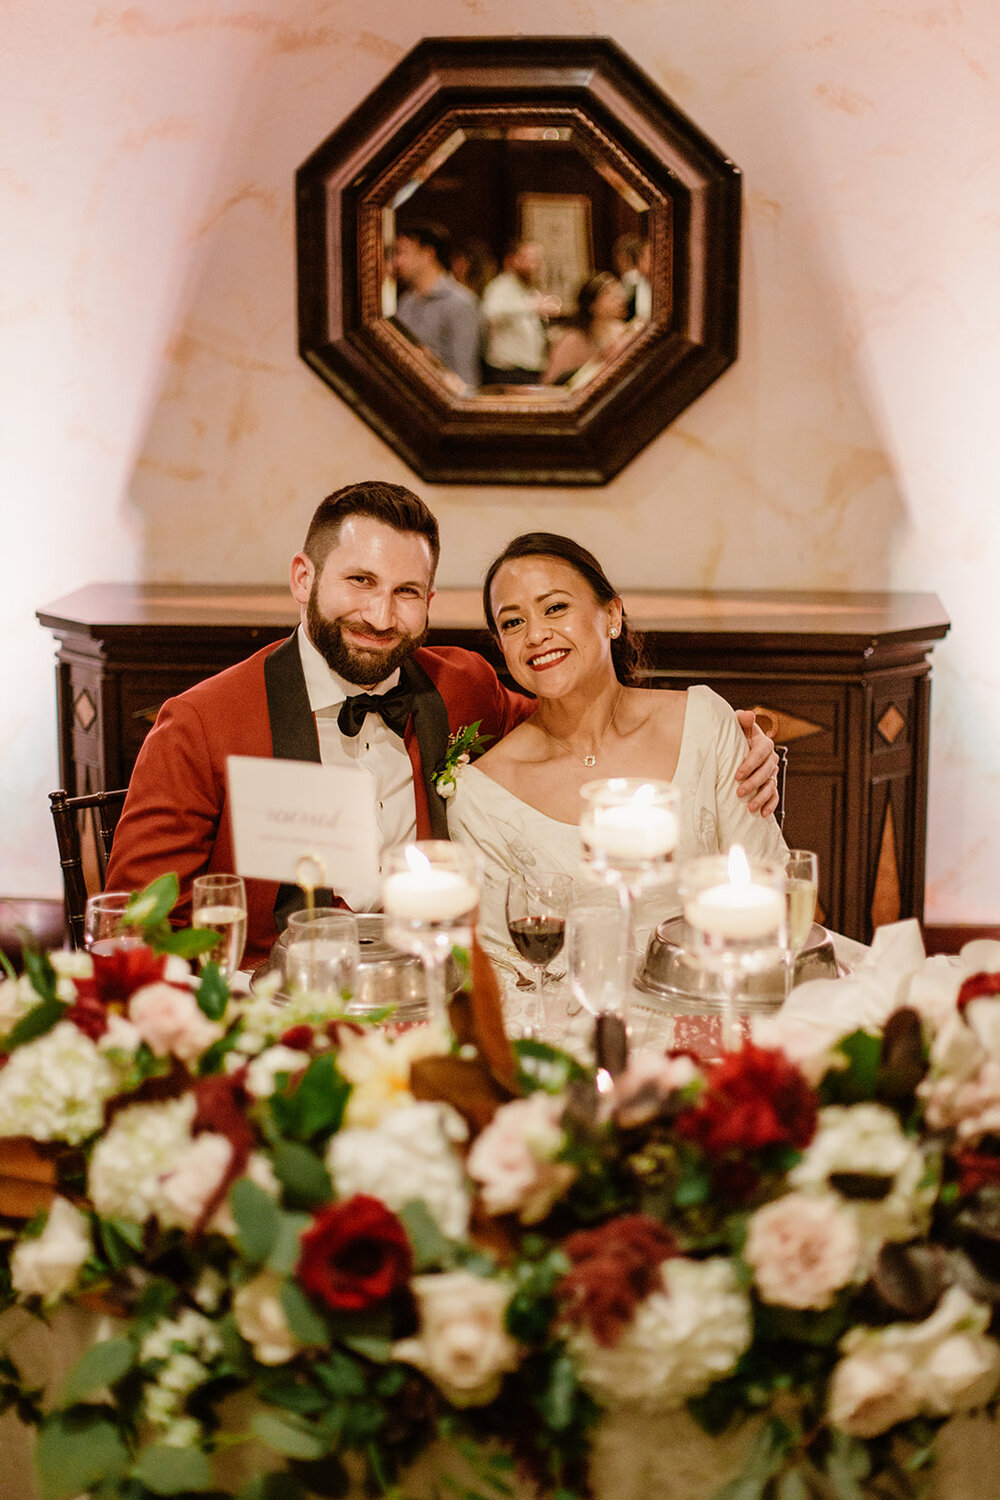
(560, 223)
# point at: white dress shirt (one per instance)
(377, 749)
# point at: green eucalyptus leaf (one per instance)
(283, 1434)
(257, 1218)
(75, 1450)
(303, 1319)
(154, 904)
(302, 1175)
(186, 942)
(102, 1365)
(35, 1023)
(430, 1246)
(213, 992)
(283, 1256)
(167, 1470)
(340, 1375)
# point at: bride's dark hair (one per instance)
(626, 651)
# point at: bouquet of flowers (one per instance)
(343, 1245)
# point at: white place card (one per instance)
(284, 809)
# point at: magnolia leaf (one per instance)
(173, 1471)
(302, 1174)
(282, 1434)
(303, 1319)
(909, 1279)
(465, 1083)
(103, 1364)
(611, 1043)
(213, 993)
(902, 1063)
(154, 904)
(75, 1450)
(430, 1246)
(258, 1220)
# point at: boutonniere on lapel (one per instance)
(462, 746)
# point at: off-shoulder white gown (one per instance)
(511, 836)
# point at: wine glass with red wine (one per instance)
(537, 904)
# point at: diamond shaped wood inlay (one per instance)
(84, 710)
(783, 728)
(890, 724)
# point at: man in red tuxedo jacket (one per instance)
(352, 685)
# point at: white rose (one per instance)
(463, 1345)
(871, 1391)
(411, 1155)
(961, 1373)
(983, 1016)
(261, 1319)
(378, 1068)
(49, 1265)
(934, 989)
(169, 1020)
(802, 1250)
(513, 1158)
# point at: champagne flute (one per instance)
(801, 883)
(536, 920)
(220, 902)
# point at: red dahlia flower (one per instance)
(354, 1254)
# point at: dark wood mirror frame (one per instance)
(630, 130)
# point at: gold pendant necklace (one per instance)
(587, 760)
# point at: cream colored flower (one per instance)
(169, 1020)
(195, 1178)
(802, 1250)
(48, 1266)
(378, 1067)
(463, 1344)
(261, 1319)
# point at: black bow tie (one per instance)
(395, 708)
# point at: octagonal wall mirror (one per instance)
(518, 260)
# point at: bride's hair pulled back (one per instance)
(626, 651)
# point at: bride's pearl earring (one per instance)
(614, 633)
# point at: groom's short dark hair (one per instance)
(392, 504)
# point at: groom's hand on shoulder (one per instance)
(757, 773)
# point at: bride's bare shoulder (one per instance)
(521, 747)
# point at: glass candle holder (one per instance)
(735, 914)
(430, 895)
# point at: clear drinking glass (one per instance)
(220, 902)
(537, 904)
(321, 956)
(430, 894)
(801, 885)
(598, 954)
(102, 923)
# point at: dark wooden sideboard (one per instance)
(845, 679)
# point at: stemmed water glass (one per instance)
(537, 904)
(220, 902)
(598, 949)
(430, 895)
(801, 885)
(321, 956)
(103, 931)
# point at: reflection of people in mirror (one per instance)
(595, 332)
(514, 310)
(433, 307)
(474, 265)
(632, 262)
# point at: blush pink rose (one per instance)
(168, 1019)
(513, 1159)
(802, 1250)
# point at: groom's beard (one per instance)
(364, 666)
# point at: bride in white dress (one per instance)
(564, 637)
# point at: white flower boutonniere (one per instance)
(462, 746)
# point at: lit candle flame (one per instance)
(417, 860)
(739, 867)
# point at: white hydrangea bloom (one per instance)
(264, 1021)
(868, 1138)
(141, 1147)
(411, 1155)
(54, 1088)
(681, 1340)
